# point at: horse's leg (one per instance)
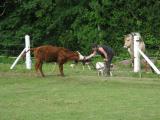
(132, 62)
(83, 67)
(102, 72)
(61, 69)
(98, 73)
(40, 69)
(89, 67)
(144, 63)
(111, 74)
(37, 64)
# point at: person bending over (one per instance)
(106, 53)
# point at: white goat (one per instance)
(100, 67)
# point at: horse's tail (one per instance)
(31, 49)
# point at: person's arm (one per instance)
(104, 53)
(91, 55)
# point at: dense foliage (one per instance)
(76, 24)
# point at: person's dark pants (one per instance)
(108, 65)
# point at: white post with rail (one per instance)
(28, 56)
(137, 53)
(137, 67)
(149, 62)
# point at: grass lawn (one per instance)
(80, 95)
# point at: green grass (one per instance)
(80, 95)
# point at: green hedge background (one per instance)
(76, 24)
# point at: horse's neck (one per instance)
(72, 56)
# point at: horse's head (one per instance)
(81, 57)
(128, 41)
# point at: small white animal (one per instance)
(100, 67)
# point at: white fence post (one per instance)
(28, 56)
(137, 67)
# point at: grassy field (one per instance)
(80, 95)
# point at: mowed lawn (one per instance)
(80, 95)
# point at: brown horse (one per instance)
(48, 53)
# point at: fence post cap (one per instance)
(136, 38)
(26, 35)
